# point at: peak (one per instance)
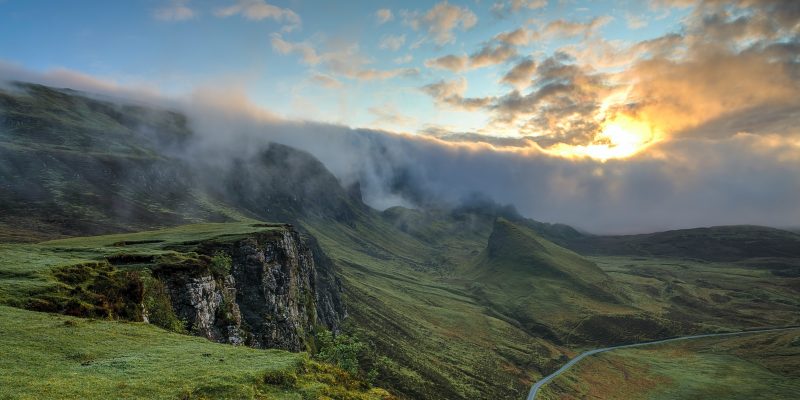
(509, 239)
(515, 247)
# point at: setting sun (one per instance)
(620, 138)
(383, 200)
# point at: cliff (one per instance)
(266, 295)
(260, 285)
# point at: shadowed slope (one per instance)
(720, 243)
(553, 292)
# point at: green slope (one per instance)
(553, 292)
(432, 337)
(451, 303)
(50, 275)
(759, 366)
(51, 356)
(74, 165)
(721, 243)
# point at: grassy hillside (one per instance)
(704, 295)
(432, 337)
(553, 292)
(51, 356)
(759, 366)
(450, 318)
(72, 165)
(51, 275)
(452, 303)
(721, 243)
(75, 165)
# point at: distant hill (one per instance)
(75, 165)
(721, 243)
(552, 291)
(514, 249)
(465, 301)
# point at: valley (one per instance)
(752, 366)
(112, 216)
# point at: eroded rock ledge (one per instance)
(270, 292)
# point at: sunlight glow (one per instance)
(621, 137)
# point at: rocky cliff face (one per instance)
(272, 293)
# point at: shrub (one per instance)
(341, 350)
(281, 377)
(221, 264)
(159, 308)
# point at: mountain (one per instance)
(465, 301)
(720, 243)
(551, 291)
(72, 165)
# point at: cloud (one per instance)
(257, 10)
(635, 21)
(388, 115)
(392, 42)
(518, 37)
(562, 28)
(520, 76)
(404, 59)
(326, 81)
(692, 180)
(177, 10)
(442, 20)
(307, 52)
(384, 15)
(371, 74)
(344, 61)
(732, 67)
(562, 106)
(451, 93)
(746, 179)
(666, 4)
(503, 8)
(489, 54)
(450, 62)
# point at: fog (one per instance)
(684, 182)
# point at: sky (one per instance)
(362, 64)
(615, 115)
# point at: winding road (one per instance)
(538, 385)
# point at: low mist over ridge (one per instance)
(400, 200)
(684, 183)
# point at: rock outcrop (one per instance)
(272, 293)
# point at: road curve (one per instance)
(538, 385)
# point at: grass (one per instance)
(62, 357)
(447, 318)
(706, 295)
(26, 270)
(546, 288)
(720, 243)
(165, 237)
(55, 356)
(442, 319)
(432, 337)
(757, 366)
